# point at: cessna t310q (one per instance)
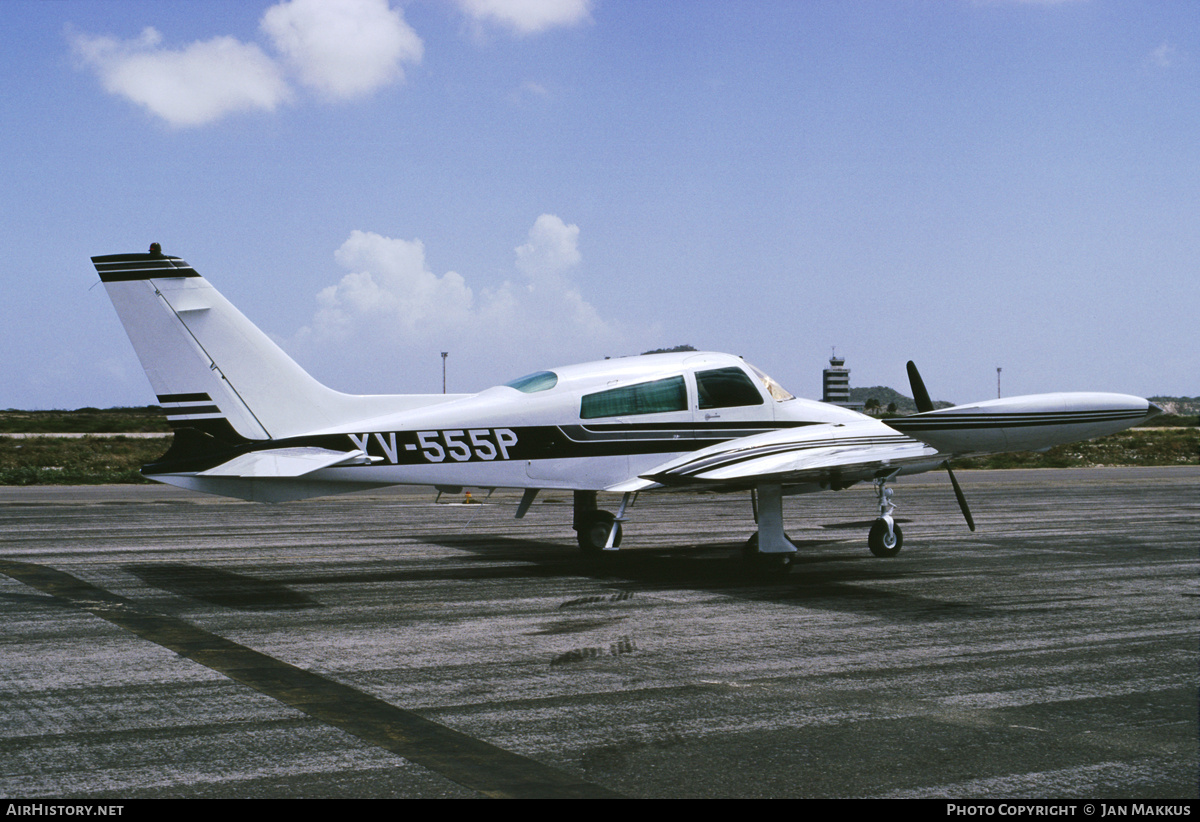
(251, 423)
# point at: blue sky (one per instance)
(971, 184)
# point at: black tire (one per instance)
(765, 563)
(878, 541)
(593, 535)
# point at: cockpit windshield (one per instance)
(777, 391)
(537, 381)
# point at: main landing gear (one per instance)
(770, 547)
(596, 530)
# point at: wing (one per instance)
(835, 456)
(823, 456)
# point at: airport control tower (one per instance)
(835, 382)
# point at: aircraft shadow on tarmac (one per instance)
(838, 581)
(220, 587)
(829, 581)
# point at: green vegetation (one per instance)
(1171, 421)
(880, 400)
(1182, 406)
(1136, 446)
(77, 461)
(149, 419)
(672, 350)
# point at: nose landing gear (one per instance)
(885, 538)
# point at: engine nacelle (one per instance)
(1030, 423)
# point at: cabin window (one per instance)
(646, 398)
(538, 381)
(726, 388)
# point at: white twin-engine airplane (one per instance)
(251, 423)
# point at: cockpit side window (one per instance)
(777, 391)
(726, 388)
(645, 398)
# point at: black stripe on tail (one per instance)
(118, 268)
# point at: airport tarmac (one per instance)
(158, 643)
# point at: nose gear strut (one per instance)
(886, 537)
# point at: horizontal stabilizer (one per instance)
(285, 462)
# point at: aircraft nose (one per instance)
(1153, 410)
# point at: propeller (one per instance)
(962, 501)
(920, 395)
(921, 398)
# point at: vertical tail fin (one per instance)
(213, 370)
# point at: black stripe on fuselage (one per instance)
(672, 431)
(407, 448)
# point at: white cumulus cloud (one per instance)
(528, 16)
(341, 48)
(390, 285)
(552, 249)
(390, 303)
(191, 86)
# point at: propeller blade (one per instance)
(920, 395)
(962, 500)
(921, 398)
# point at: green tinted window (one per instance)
(538, 381)
(726, 388)
(646, 398)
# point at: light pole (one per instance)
(997, 382)
(444, 355)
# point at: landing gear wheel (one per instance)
(593, 534)
(766, 563)
(883, 545)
